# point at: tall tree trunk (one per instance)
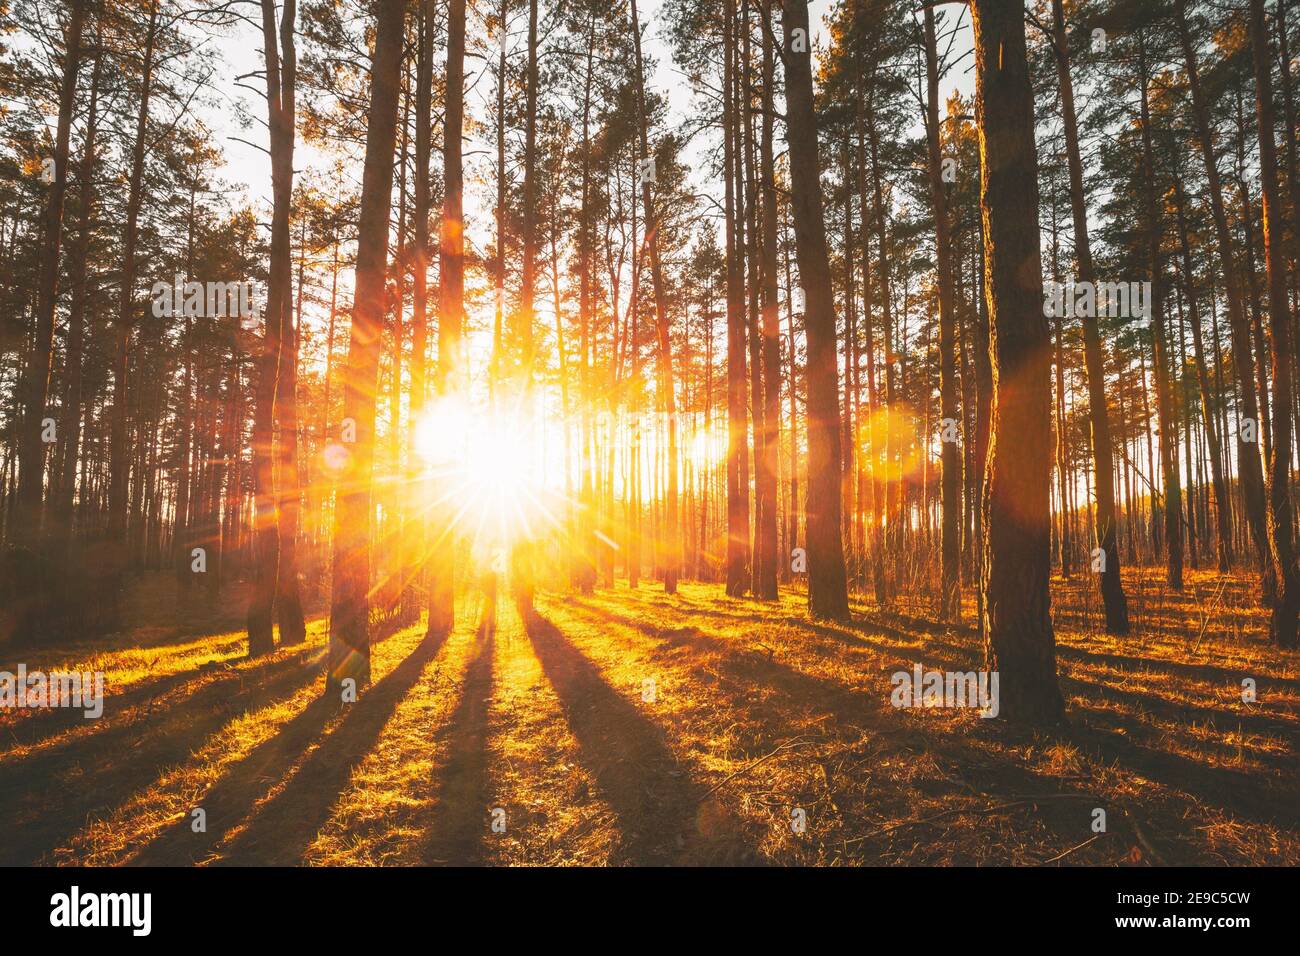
(950, 596)
(827, 586)
(181, 554)
(1250, 471)
(1020, 644)
(293, 628)
(79, 272)
(1166, 403)
(524, 334)
(267, 533)
(1222, 504)
(120, 452)
(884, 518)
(349, 646)
(793, 515)
(737, 424)
(521, 569)
(1112, 586)
(586, 545)
(451, 309)
(670, 556)
(36, 376)
(767, 477)
(1281, 542)
(415, 542)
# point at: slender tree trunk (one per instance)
(451, 309)
(793, 515)
(950, 588)
(884, 576)
(1166, 403)
(669, 544)
(79, 273)
(1112, 586)
(266, 517)
(1249, 470)
(767, 477)
(827, 586)
(288, 599)
(1280, 522)
(1020, 645)
(416, 538)
(588, 550)
(120, 452)
(36, 377)
(523, 337)
(349, 647)
(1222, 504)
(737, 424)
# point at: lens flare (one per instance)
(483, 467)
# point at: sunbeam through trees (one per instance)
(649, 432)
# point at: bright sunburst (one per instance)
(483, 465)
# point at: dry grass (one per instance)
(756, 711)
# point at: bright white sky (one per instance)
(247, 168)
(250, 169)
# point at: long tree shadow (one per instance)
(1179, 712)
(867, 632)
(284, 827)
(150, 691)
(960, 657)
(238, 789)
(858, 717)
(121, 721)
(47, 798)
(1180, 669)
(752, 666)
(649, 790)
(907, 646)
(1252, 797)
(461, 813)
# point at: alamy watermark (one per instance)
(922, 688)
(1091, 300)
(36, 689)
(207, 300)
(130, 910)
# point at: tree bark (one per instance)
(1249, 468)
(451, 308)
(1020, 644)
(767, 477)
(1282, 626)
(1112, 585)
(950, 587)
(737, 419)
(349, 645)
(827, 586)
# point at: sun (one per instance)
(484, 467)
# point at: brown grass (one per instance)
(756, 712)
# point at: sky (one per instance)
(237, 52)
(249, 168)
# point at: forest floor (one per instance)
(756, 711)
